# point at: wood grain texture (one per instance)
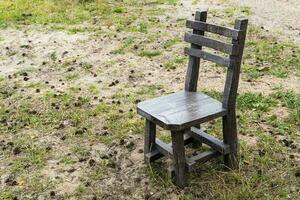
(164, 148)
(207, 56)
(179, 158)
(230, 93)
(211, 43)
(181, 110)
(192, 73)
(150, 134)
(161, 151)
(152, 156)
(201, 158)
(233, 73)
(212, 28)
(210, 140)
(149, 138)
(197, 159)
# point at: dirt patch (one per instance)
(276, 15)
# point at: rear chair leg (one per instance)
(230, 137)
(196, 143)
(149, 141)
(179, 158)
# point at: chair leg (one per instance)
(179, 158)
(230, 137)
(149, 141)
(197, 143)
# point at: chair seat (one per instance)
(181, 110)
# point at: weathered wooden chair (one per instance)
(183, 112)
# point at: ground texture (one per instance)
(72, 72)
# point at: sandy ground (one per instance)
(40, 44)
(276, 15)
(30, 48)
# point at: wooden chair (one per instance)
(183, 112)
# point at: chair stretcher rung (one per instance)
(213, 142)
(201, 158)
(153, 155)
(164, 149)
(208, 56)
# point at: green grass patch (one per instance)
(255, 101)
(126, 43)
(150, 53)
(67, 12)
(267, 55)
(170, 42)
(174, 63)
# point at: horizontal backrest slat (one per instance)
(207, 56)
(211, 43)
(227, 32)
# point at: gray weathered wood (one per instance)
(181, 110)
(179, 158)
(230, 93)
(213, 142)
(212, 28)
(163, 149)
(192, 73)
(211, 43)
(152, 156)
(149, 137)
(197, 159)
(207, 56)
(201, 158)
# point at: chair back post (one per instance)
(233, 72)
(194, 62)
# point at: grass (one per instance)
(90, 133)
(270, 56)
(150, 53)
(22, 12)
(37, 11)
(256, 102)
(126, 43)
(172, 64)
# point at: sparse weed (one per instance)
(150, 53)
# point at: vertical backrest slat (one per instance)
(194, 62)
(233, 73)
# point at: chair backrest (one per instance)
(233, 49)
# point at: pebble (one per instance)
(71, 170)
(92, 162)
(140, 151)
(52, 194)
(16, 150)
(10, 180)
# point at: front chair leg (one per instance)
(179, 158)
(230, 137)
(149, 141)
